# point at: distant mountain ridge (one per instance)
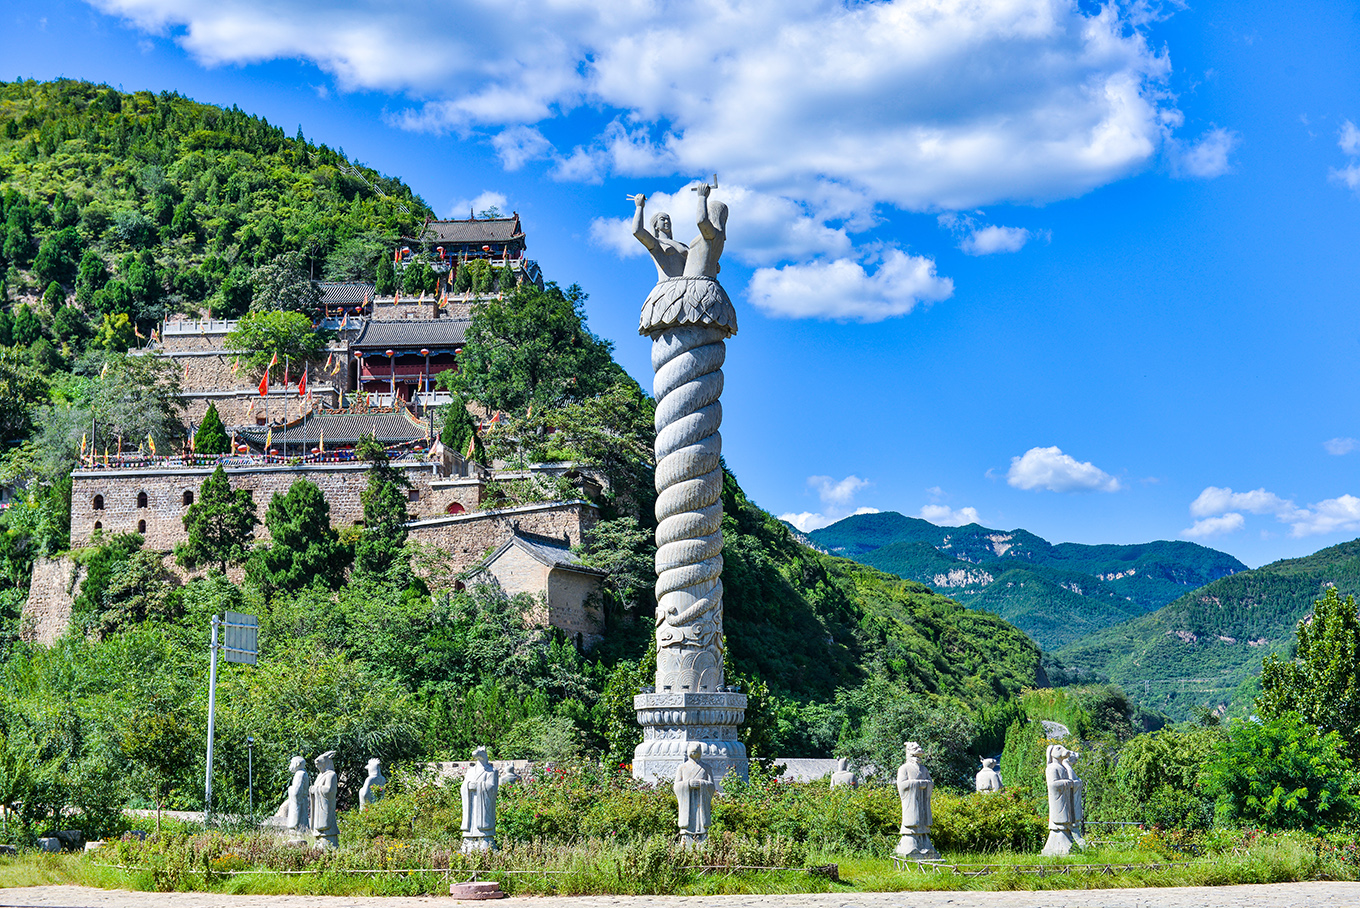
(1055, 593)
(1205, 649)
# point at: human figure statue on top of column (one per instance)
(668, 253)
(694, 796)
(988, 779)
(374, 785)
(479, 803)
(1064, 802)
(325, 826)
(914, 787)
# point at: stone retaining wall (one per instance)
(47, 611)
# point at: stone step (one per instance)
(487, 890)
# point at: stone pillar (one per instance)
(688, 316)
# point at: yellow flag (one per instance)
(268, 439)
(82, 446)
(321, 445)
(151, 443)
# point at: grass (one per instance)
(603, 867)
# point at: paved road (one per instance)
(1283, 895)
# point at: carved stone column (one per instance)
(689, 317)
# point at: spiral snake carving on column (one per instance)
(689, 380)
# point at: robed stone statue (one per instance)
(988, 779)
(374, 785)
(694, 797)
(914, 787)
(1065, 802)
(479, 803)
(325, 827)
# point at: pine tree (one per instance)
(304, 549)
(211, 437)
(220, 525)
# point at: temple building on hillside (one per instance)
(399, 361)
(462, 240)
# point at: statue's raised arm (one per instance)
(708, 245)
(666, 252)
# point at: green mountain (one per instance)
(1055, 593)
(1205, 649)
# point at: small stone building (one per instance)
(534, 564)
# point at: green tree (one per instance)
(1158, 776)
(284, 284)
(1322, 682)
(219, 525)
(211, 437)
(532, 347)
(381, 549)
(90, 278)
(70, 325)
(27, 328)
(304, 549)
(460, 429)
(53, 297)
(58, 256)
(1282, 774)
(385, 280)
(115, 333)
(260, 336)
(163, 744)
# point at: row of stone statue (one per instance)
(309, 807)
(1066, 811)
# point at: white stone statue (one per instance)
(325, 827)
(374, 785)
(694, 797)
(689, 317)
(294, 816)
(914, 787)
(479, 803)
(1065, 805)
(844, 777)
(988, 779)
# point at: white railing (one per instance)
(183, 326)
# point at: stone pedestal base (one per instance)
(471, 891)
(326, 841)
(916, 847)
(690, 840)
(474, 843)
(671, 722)
(1061, 842)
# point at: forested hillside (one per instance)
(1205, 649)
(120, 207)
(142, 204)
(1055, 593)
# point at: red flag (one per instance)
(302, 385)
(264, 384)
(285, 376)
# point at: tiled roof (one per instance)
(342, 428)
(547, 550)
(439, 332)
(342, 293)
(477, 230)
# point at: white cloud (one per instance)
(994, 239)
(1214, 500)
(1340, 446)
(1333, 515)
(518, 145)
(822, 105)
(945, 516)
(1349, 140)
(837, 497)
(844, 289)
(486, 200)
(1050, 468)
(1204, 159)
(1215, 526)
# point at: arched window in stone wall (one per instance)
(188, 498)
(141, 526)
(141, 499)
(455, 508)
(98, 525)
(98, 503)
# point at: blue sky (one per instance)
(1087, 270)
